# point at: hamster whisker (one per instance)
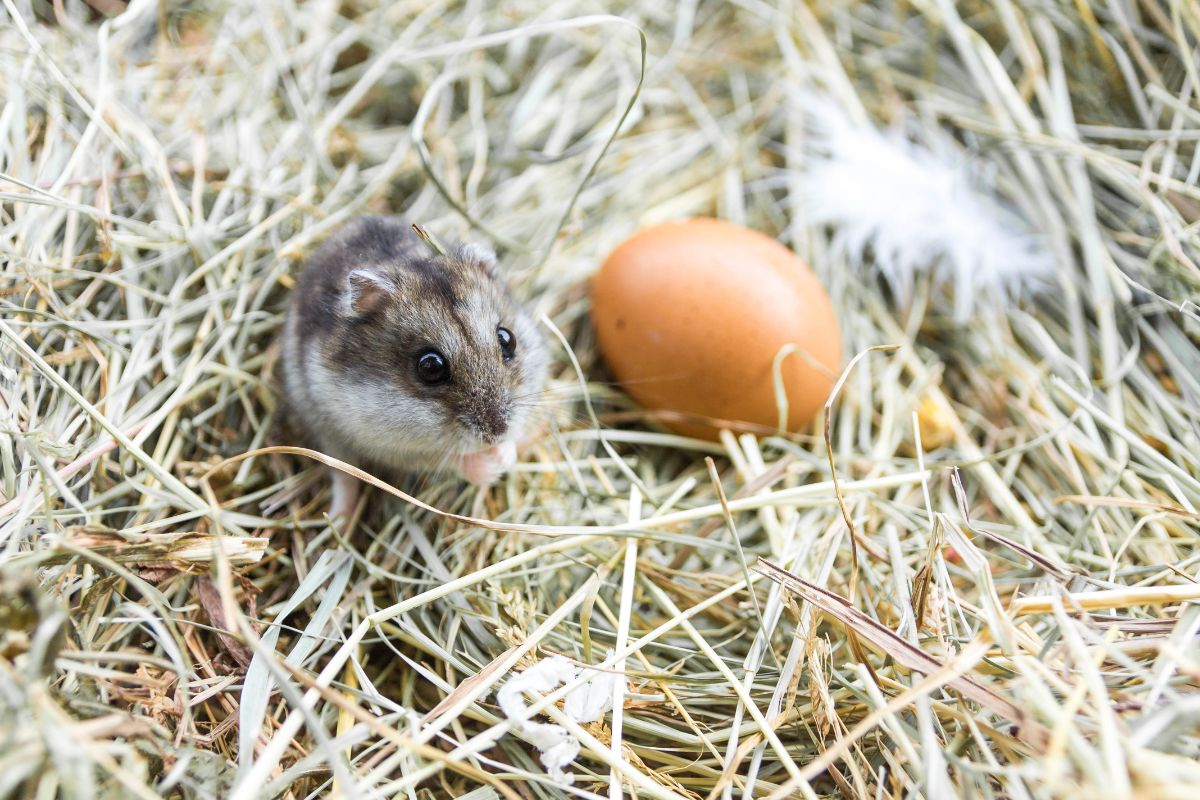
(442, 464)
(566, 416)
(543, 406)
(566, 391)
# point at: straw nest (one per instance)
(993, 599)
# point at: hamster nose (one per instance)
(492, 424)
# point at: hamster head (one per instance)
(449, 361)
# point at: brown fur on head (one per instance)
(372, 306)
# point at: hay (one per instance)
(1022, 625)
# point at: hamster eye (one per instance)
(508, 343)
(432, 368)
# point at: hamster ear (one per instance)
(479, 254)
(364, 292)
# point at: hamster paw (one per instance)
(485, 466)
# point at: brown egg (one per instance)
(690, 316)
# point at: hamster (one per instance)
(396, 359)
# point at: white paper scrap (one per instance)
(585, 703)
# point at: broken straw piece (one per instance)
(585, 703)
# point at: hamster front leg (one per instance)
(346, 489)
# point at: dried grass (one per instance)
(1010, 532)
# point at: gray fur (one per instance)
(349, 360)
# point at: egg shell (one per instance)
(690, 315)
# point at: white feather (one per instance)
(914, 210)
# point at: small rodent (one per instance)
(397, 359)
